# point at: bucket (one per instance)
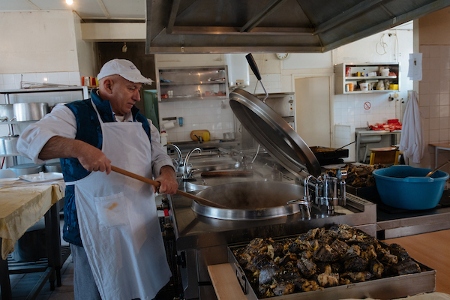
(407, 187)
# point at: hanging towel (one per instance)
(411, 140)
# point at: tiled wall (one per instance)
(434, 97)
(215, 116)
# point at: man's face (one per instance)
(122, 94)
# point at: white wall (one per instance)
(42, 47)
(38, 41)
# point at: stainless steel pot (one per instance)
(6, 112)
(52, 167)
(250, 200)
(8, 145)
(32, 111)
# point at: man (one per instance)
(110, 220)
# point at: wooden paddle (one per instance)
(157, 184)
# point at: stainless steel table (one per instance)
(439, 146)
(360, 133)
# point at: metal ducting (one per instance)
(295, 26)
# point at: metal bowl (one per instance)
(250, 200)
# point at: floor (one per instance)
(430, 249)
(23, 284)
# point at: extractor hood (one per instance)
(295, 26)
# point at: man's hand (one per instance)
(91, 158)
(168, 179)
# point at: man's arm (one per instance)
(90, 157)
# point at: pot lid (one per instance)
(274, 133)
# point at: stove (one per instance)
(202, 241)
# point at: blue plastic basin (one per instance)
(407, 187)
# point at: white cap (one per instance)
(124, 68)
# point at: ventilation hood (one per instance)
(293, 26)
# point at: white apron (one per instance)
(118, 219)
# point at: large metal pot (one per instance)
(32, 111)
(8, 145)
(6, 112)
(250, 200)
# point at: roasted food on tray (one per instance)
(358, 175)
(319, 259)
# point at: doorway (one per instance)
(313, 110)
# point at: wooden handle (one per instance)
(136, 176)
(200, 199)
(157, 184)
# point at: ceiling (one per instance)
(227, 26)
(242, 26)
(88, 10)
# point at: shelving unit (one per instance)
(346, 74)
(60, 89)
(192, 83)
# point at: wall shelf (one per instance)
(193, 83)
(354, 74)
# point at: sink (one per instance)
(211, 162)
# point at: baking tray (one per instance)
(324, 153)
(384, 288)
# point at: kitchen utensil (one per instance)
(32, 111)
(433, 171)
(344, 146)
(26, 169)
(42, 177)
(156, 184)
(52, 167)
(250, 200)
(274, 133)
(8, 145)
(6, 112)
(252, 63)
(407, 187)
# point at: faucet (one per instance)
(199, 138)
(186, 173)
(179, 159)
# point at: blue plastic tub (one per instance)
(407, 187)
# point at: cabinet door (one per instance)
(313, 122)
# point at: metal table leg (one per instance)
(54, 244)
(4, 278)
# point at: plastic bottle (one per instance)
(164, 138)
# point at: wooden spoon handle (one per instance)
(157, 184)
(136, 176)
